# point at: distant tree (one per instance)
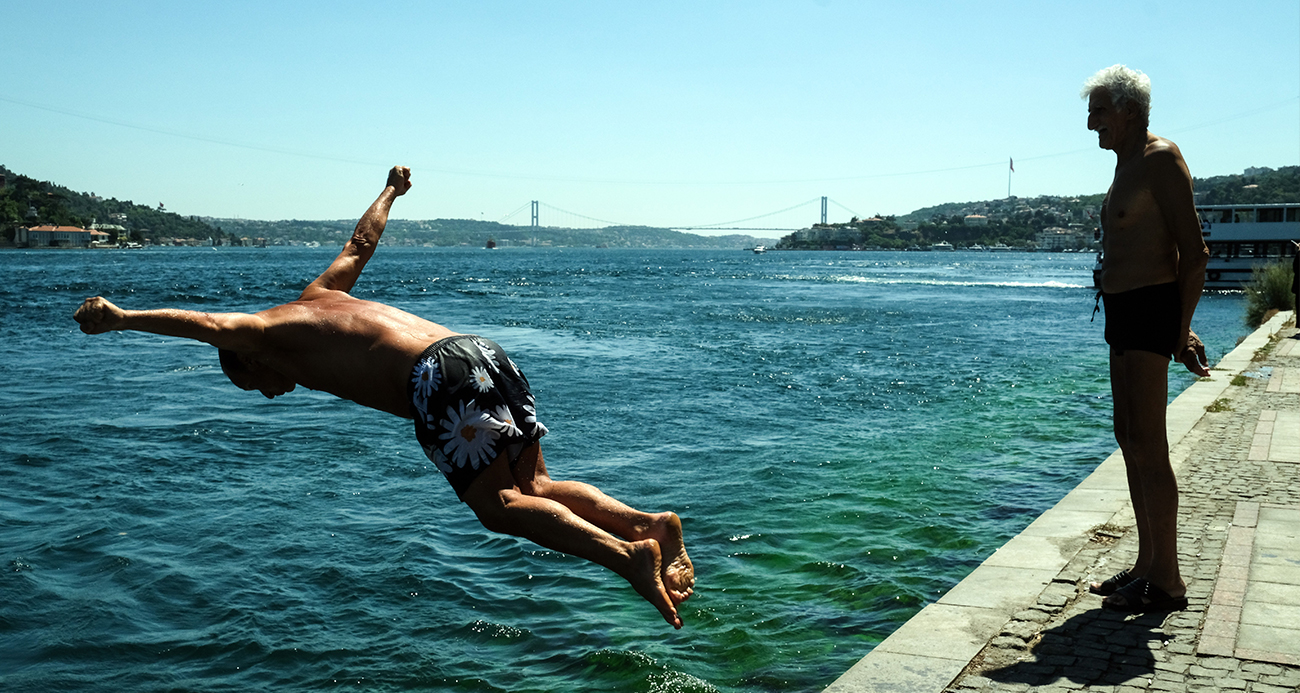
(1282, 185)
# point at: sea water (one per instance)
(845, 436)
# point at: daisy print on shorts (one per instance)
(470, 435)
(539, 429)
(439, 459)
(488, 354)
(480, 379)
(425, 380)
(505, 421)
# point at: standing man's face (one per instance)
(1109, 122)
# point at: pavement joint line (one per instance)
(1280, 434)
(1269, 515)
(1040, 614)
(1230, 587)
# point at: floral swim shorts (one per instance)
(470, 404)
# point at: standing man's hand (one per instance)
(1193, 356)
(400, 179)
(98, 316)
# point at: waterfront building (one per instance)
(57, 237)
(1055, 238)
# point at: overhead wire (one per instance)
(374, 163)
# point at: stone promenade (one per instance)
(1024, 620)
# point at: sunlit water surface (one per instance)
(845, 436)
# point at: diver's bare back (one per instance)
(359, 350)
(1138, 247)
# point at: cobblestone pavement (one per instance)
(1235, 471)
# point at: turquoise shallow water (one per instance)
(845, 435)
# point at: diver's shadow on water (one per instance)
(1096, 647)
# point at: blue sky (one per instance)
(665, 114)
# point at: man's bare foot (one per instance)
(644, 575)
(678, 571)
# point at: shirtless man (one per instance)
(1295, 277)
(472, 408)
(1152, 272)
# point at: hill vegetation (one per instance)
(452, 232)
(1013, 221)
(28, 202)
(1264, 186)
(1016, 221)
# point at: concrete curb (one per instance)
(931, 650)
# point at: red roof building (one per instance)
(57, 237)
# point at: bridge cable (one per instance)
(741, 221)
(845, 208)
(583, 216)
(508, 216)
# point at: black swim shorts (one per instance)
(470, 404)
(1146, 318)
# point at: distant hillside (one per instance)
(1017, 221)
(1014, 221)
(25, 201)
(29, 202)
(1006, 206)
(451, 232)
(1260, 186)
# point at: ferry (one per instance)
(942, 246)
(1242, 236)
(760, 249)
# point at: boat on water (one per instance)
(976, 247)
(1243, 236)
(760, 249)
(491, 245)
(999, 248)
(943, 246)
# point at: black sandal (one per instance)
(1111, 584)
(1140, 597)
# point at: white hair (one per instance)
(1126, 86)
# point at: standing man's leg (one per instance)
(1295, 281)
(1139, 383)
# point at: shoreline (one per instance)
(1044, 566)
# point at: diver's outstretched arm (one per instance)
(346, 268)
(234, 331)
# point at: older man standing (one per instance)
(1152, 272)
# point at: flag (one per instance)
(1012, 163)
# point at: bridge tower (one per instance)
(534, 224)
(823, 209)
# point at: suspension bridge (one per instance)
(557, 217)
